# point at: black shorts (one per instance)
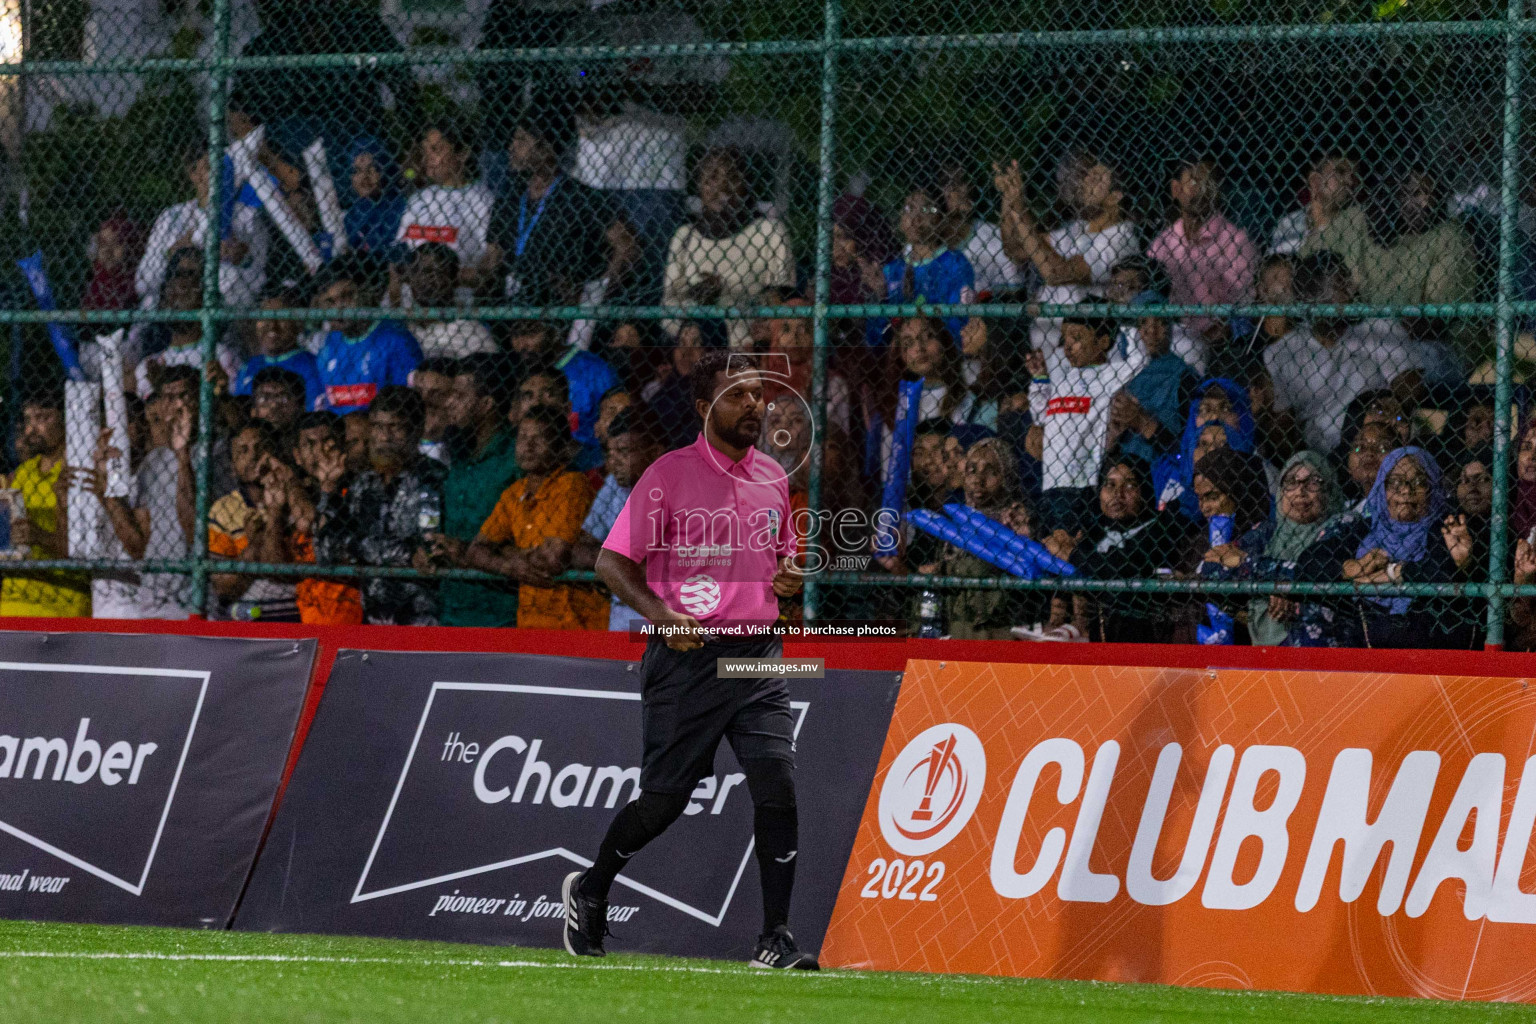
(686, 711)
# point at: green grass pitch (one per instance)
(53, 973)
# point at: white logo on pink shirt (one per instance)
(699, 595)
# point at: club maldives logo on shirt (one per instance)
(346, 396)
(442, 234)
(1071, 405)
(699, 595)
(932, 789)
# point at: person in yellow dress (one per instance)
(43, 482)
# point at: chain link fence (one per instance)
(1152, 321)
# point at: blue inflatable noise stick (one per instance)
(1030, 552)
(42, 291)
(893, 500)
(968, 540)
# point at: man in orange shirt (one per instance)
(530, 531)
(322, 436)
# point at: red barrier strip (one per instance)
(881, 655)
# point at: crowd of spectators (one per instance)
(1314, 449)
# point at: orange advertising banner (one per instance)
(1330, 832)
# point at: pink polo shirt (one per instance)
(1218, 267)
(709, 532)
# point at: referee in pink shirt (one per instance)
(703, 550)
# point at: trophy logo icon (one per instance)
(942, 759)
(932, 789)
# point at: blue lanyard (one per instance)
(525, 226)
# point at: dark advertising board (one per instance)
(446, 796)
(137, 772)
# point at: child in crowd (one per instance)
(926, 270)
(1074, 408)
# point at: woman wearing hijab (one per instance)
(1403, 536)
(1130, 539)
(1309, 495)
(1219, 417)
(373, 219)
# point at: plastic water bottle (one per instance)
(245, 611)
(429, 511)
(930, 615)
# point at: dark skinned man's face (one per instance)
(737, 412)
(392, 441)
(42, 431)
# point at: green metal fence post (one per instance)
(831, 34)
(218, 90)
(1509, 194)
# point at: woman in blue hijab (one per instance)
(373, 194)
(1218, 403)
(1402, 535)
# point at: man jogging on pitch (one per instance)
(703, 550)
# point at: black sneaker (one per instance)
(777, 951)
(586, 919)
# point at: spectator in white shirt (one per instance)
(730, 253)
(1077, 255)
(242, 252)
(1074, 405)
(450, 208)
(181, 343)
(978, 240)
(1133, 277)
(1320, 366)
(433, 274)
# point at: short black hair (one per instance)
(1205, 160)
(281, 376)
(45, 395)
(271, 441)
(549, 119)
(1154, 275)
(1316, 272)
(454, 131)
(711, 364)
(554, 373)
(1101, 326)
(638, 419)
(523, 328)
(285, 292)
(179, 375)
(403, 402)
(932, 427)
(494, 376)
(324, 418)
(445, 366)
(437, 251)
(362, 269)
(551, 419)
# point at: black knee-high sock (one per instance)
(636, 824)
(777, 830)
(776, 824)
